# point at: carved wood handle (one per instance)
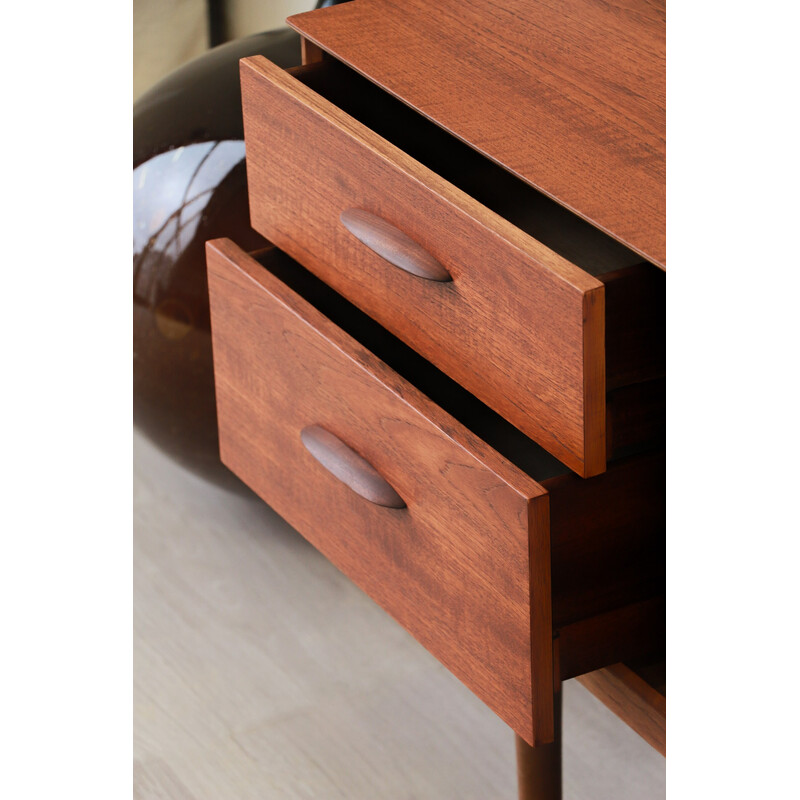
(393, 245)
(348, 466)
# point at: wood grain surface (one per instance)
(466, 566)
(567, 94)
(633, 700)
(519, 326)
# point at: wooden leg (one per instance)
(310, 53)
(539, 768)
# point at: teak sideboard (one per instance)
(448, 372)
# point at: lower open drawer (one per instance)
(435, 506)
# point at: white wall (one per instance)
(168, 33)
(251, 16)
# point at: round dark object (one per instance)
(189, 185)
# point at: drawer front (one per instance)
(519, 326)
(464, 565)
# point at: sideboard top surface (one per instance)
(569, 95)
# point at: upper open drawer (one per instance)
(530, 308)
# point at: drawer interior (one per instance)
(490, 184)
(445, 392)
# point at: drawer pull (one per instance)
(348, 466)
(393, 245)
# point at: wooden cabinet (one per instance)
(448, 374)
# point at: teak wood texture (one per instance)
(518, 325)
(567, 94)
(465, 567)
(633, 700)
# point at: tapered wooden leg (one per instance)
(539, 768)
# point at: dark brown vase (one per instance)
(189, 185)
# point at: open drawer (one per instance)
(393, 472)
(550, 322)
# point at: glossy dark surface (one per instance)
(189, 185)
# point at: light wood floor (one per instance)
(261, 672)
